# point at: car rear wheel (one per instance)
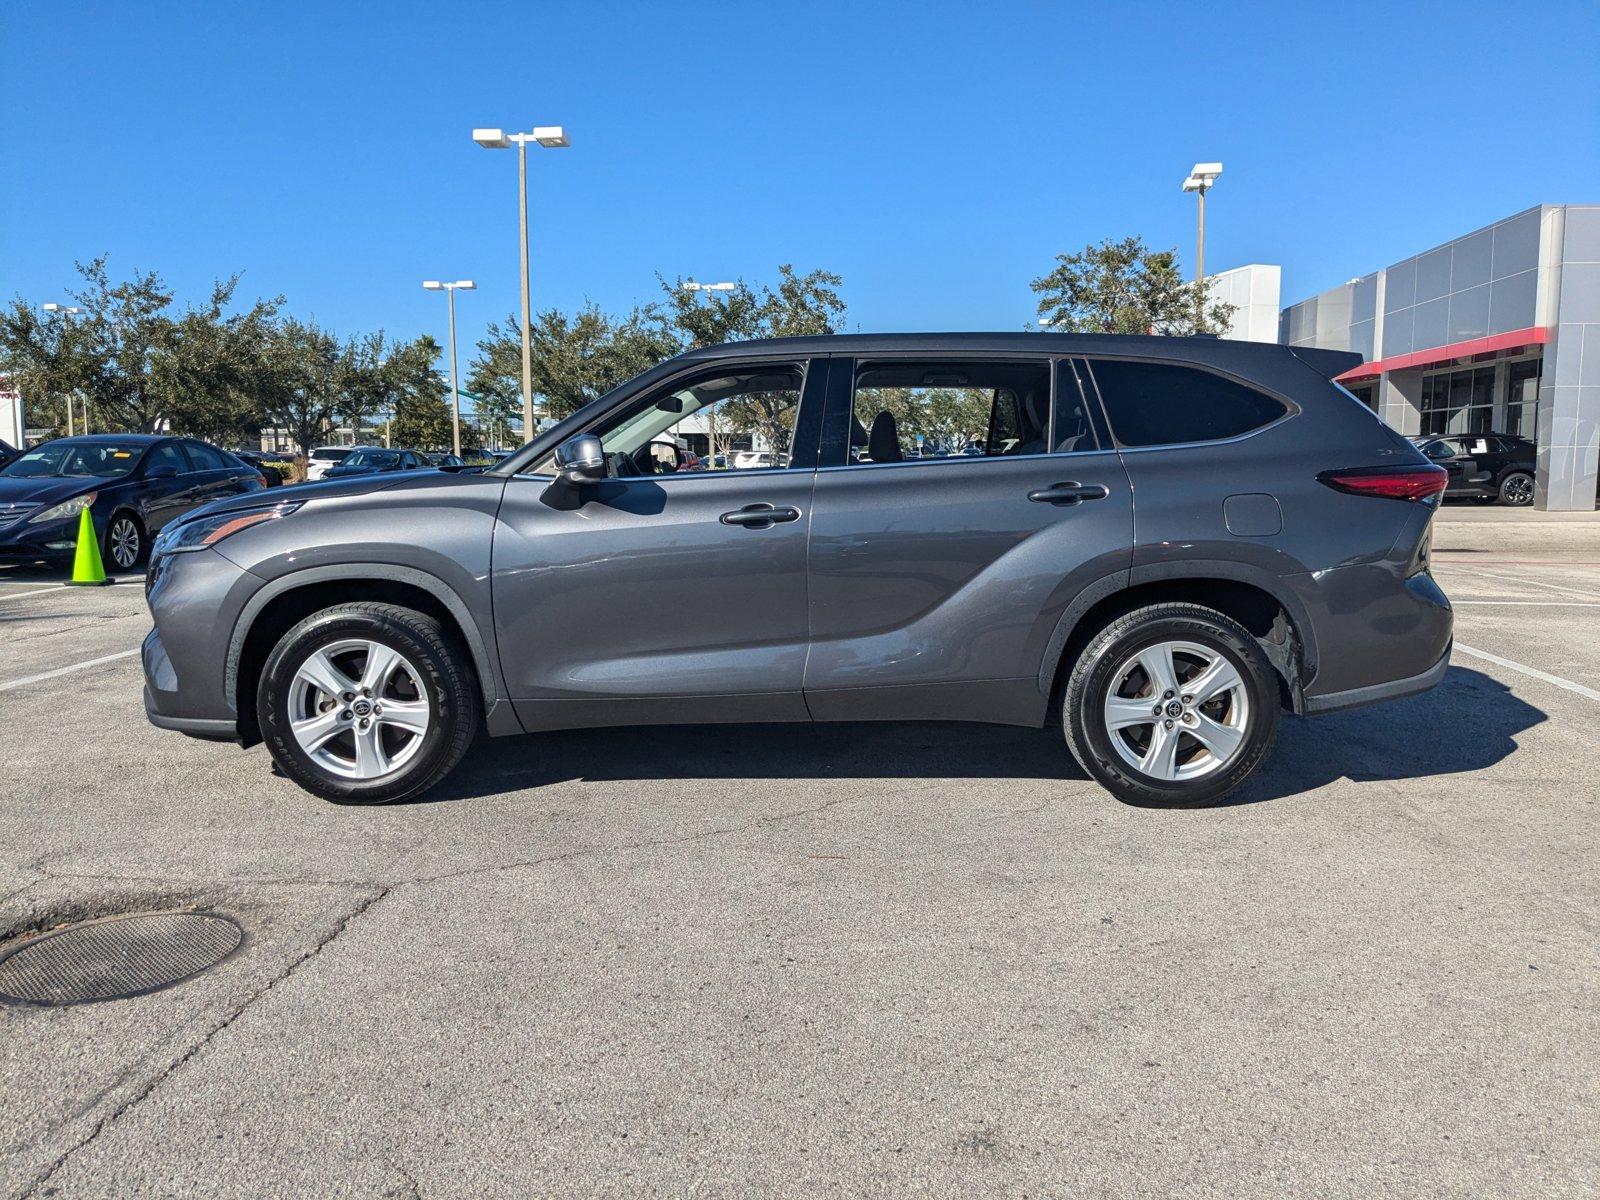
(124, 542)
(1174, 705)
(1516, 489)
(367, 703)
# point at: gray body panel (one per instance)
(925, 589)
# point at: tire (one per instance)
(1516, 489)
(1241, 721)
(124, 546)
(349, 751)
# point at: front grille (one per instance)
(14, 514)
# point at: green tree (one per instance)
(48, 359)
(1126, 287)
(421, 415)
(302, 379)
(205, 362)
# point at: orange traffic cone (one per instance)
(87, 569)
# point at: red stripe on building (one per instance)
(1532, 336)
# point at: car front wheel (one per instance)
(1173, 705)
(367, 703)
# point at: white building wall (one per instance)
(1254, 291)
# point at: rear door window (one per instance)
(907, 410)
(203, 458)
(1160, 404)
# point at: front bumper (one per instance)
(54, 540)
(195, 600)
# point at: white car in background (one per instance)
(323, 457)
(744, 460)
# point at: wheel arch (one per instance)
(283, 602)
(1269, 610)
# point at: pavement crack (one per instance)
(232, 1015)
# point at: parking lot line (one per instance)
(67, 670)
(54, 587)
(1534, 582)
(1508, 664)
(1531, 603)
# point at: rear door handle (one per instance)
(760, 516)
(1068, 493)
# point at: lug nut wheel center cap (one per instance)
(1174, 709)
(361, 708)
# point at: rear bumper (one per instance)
(1378, 692)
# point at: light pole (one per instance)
(450, 289)
(552, 137)
(1200, 181)
(67, 312)
(709, 289)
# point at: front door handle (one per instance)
(1068, 493)
(759, 516)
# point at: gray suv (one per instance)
(1155, 545)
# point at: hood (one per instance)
(321, 489)
(48, 489)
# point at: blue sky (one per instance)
(936, 155)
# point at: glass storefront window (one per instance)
(1464, 402)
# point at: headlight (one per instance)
(67, 508)
(205, 531)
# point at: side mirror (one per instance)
(162, 471)
(581, 459)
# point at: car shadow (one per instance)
(1467, 723)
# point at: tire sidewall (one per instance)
(276, 687)
(141, 545)
(1504, 483)
(1095, 675)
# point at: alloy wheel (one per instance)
(124, 542)
(358, 709)
(1177, 711)
(1518, 490)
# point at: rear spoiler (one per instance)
(1330, 364)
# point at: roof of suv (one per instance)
(1218, 352)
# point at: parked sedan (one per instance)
(132, 485)
(375, 460)
(269, 473)
(7, 452)
(1485, 466)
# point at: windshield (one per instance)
(372, 458)
(61, 459)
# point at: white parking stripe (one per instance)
(1578, 688)
(1539, 583)
(54, 587)
(1531, 603)
(42, 676)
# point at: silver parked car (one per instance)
(1153, 546)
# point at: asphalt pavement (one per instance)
(835, 959)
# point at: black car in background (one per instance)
(7, 452)
(444, 460)
(1484, 466)
(375, 460)
(269, 473)
(131, 483)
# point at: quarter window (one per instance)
(903, 411)
(1158, 404)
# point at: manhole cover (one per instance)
(116, 957)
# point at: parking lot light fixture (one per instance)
(551, 137)
(66, 312)
(450, 289)
(1200, 181)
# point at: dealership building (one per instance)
(1497, 331)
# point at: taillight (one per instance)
(1389, 483)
